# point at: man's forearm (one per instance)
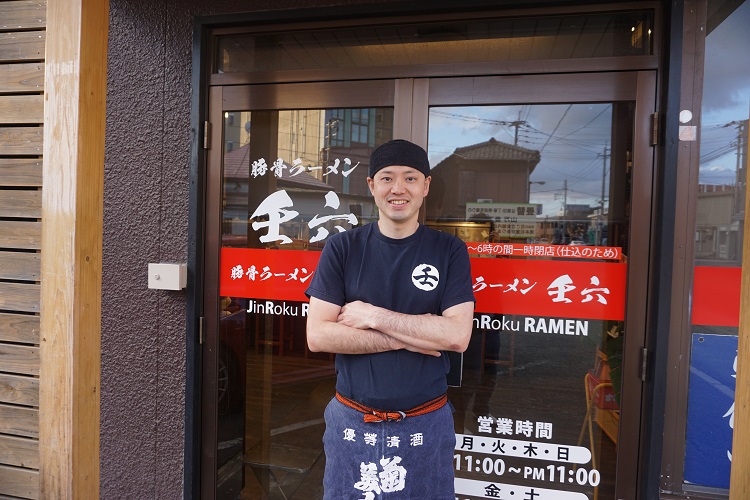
(325, 336)
(449, 332)
(326, 332)
(424, 331)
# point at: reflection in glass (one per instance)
(720, 218)
(554, 161)
(540, 183)
(723, 141)
(290, 179)
(612, 34)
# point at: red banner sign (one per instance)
(716, 296)
(565, 289)
(266, 274)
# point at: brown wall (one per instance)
(146, 190)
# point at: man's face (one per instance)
(399, 192)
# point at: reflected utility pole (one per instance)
(331, 131)
(564, 224)
(739, 173)
(740, 186)
(565, 197)
(604, 177)
(517, 124)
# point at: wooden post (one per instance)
(72, 206)
(739, 486)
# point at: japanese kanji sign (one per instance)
(512, 220)
(505, 212)
(564, 289)
(537, 250)
(266, 274)
(260, 167)
(710, 414)
(552, 288)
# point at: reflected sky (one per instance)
(726, 96)
(571, 138)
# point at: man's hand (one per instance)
(357, 315)
(426, 352)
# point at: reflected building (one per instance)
(490, 171)
(352, 134)
(721, 211)
(717, 223)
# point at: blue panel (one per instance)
(710, 410)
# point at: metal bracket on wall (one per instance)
(206, 135)
(655, 129)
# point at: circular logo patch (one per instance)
(425, 277)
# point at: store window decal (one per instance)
(708, 442)
(592, 290)
(533, 289)
(723, 135)
(259, 168)
(277, 207)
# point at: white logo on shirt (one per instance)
(425, 277)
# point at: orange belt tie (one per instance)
(373, 415)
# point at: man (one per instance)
(388, 297)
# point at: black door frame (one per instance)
(205, 31)
(411, 99)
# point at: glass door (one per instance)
(552, 201)
(280, 182)
(545, 195)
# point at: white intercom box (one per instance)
(167, 276)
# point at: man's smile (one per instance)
(398, 192)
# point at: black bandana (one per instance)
(399, 152)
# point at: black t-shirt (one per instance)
(427, 272)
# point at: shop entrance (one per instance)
(548, 181)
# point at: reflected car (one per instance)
(577, 242)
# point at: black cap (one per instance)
(399, 152)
